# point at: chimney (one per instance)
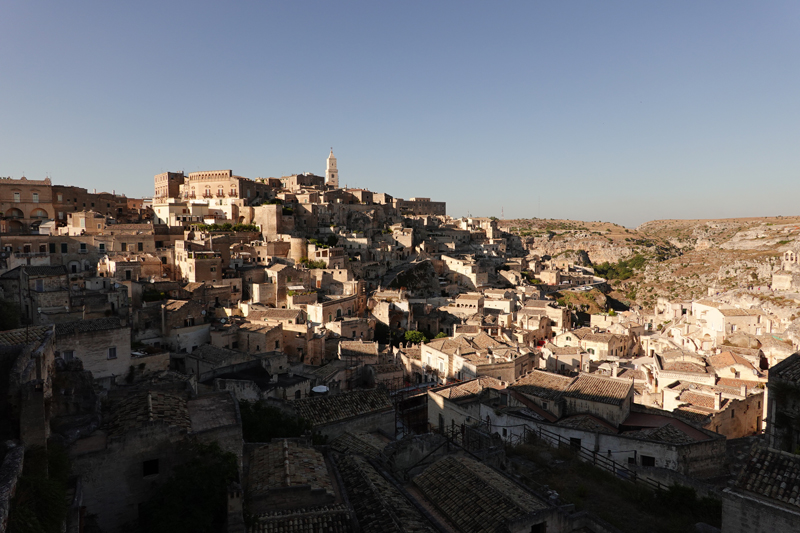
(614, 369)
(717, 400)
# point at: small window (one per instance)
(39, 285)
(52, 247)
(63, 247)
(16, 197)
(36, 197)
(277, 345)
(83, 223)
(124, 246)
(150, 468)
(733, 413)
(648, 460)
(101, 246)
(575, 443)
(127, 274)
(83, 247)
(112, 354)
(140, 246)
(544, 405)
(68, 355)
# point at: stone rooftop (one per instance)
(379, 506)
(285, 463)
(88, 326)
(773, 474)
(213, 411)
(320, 410)
(145, 408)
(475, 498)
(365, 444)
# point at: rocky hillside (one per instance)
(678, 259)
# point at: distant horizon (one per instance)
(622, 111)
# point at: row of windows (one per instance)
(64, 247)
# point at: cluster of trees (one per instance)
(417, 337)
(262, 423)
(622, 269)
(311, 263)
(195, 498)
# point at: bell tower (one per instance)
(332, 173)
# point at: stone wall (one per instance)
(744, 514)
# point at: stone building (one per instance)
(783, 410)
(103, 345)
(763, 497)
(24, 203)
(123, 463)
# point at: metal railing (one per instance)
(589, 456)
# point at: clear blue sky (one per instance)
(620, 111)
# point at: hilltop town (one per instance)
(284, 354)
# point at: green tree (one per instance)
(441, 335)
(415, 337)
(262, 423)
(195, 498)
(39, 505)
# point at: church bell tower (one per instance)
(332, 173)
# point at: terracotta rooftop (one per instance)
(334, 518)
(588, 423)
(666, 433)
(542, 384)
(174, 305)
(22, 336)
(358, 348)
(773, 474)
(469, 388)
(684, 366)
(728, 359)
(593, 388)
(697, 399)
(565, 350)
(365, 444)
(472, 496)
(379, 506)
(320, 410)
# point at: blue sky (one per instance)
(619, 111)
